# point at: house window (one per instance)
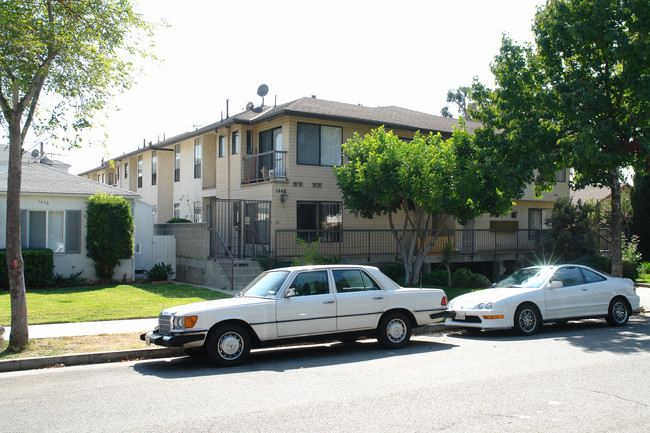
(98, 178)
(140, 171)
(197, 211)
(319, 144)
(560, 175)
(222, 146)
(197, 158)
(249, 142)
(110, 178)
(235, 143)
(270, 140)
(103, 178)
(59, 231)
(322, 220)
(177, 163)
(118, 172)
(534, 223)
(154, 167)
(126, 170)
(177, 210)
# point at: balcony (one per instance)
(265, 167)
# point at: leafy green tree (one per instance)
(571, 234)
(109, 232)
(640, 200)
(426, 180)
(77, 53)
(579, 97)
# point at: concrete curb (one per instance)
(86, 358)
(129, 355)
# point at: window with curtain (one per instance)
(59, 231)
(235, 142)
(177, 163)
(197, 157)
(140, 164)
(319, 144)
(154, 167)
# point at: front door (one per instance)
(313, 308)
(574, 299)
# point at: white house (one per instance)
(53, 215)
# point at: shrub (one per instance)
(631, 257)
(644, 268)
(178, 220)
(571, 234)
(463, 278)
(436, 278)
(311, 255)
(38, 266)
(159, 272)
(109, 237)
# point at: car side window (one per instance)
(591, 277)
(311, 283)
(569, 276)
(353, 280)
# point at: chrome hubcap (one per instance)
(230, 345)
(620, 312)
(527, 320)
(396, 330)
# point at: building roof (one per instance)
(27, 157)
(392, 117)
(41, 179)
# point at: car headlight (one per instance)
(489, 306)
(184, 322)
(480, 306)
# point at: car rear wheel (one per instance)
(394, 330)
(527, 319)
(228, 345)
(618, 313)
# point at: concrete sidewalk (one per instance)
(88, 328)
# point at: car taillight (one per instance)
(444, 301)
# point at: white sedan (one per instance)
(305, 303)
(538, 294)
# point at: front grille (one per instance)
(164, 323)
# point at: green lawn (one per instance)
(644, 278)
(81, 304)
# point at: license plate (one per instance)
(460, 315)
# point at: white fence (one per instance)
(163, 250)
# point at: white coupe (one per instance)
(305, 303)
(538, 294)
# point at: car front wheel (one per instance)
(618, 313)
(527, 319)
(228, 345)
(394, 330)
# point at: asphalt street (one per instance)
(577, 377)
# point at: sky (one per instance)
(406, 53)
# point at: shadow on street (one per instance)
(592, 335)
(288, 358)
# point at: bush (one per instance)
(159, 272)
(644, 268)
(437, 278)
(178, 220)
(571, 234)
(311, 255)
(109, 236)
(463, 278)
(38, 266)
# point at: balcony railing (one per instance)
(369, 243)
(265, 167)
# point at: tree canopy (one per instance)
(76, 52)
(426, 180)
(578, 97)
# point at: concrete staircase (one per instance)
(244, 271)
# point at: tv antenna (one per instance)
(262, 91)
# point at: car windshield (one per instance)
(531, 278)
(266, 285)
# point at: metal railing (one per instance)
(368, 243)
(220, 249)
(264, 167)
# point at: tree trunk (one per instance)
(19, 323)
(617, 256)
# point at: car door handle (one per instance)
(328, 302)
(377, 298)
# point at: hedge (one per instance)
(38, 264)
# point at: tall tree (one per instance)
(578, 97)
(640, 201)
(425, 181)
(78, 53)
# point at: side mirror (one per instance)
(556, 285)
(291, 292)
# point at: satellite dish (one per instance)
(35, 153)
(262, 90)
(249, 106)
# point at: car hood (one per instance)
(488, 295)
(228, 303)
